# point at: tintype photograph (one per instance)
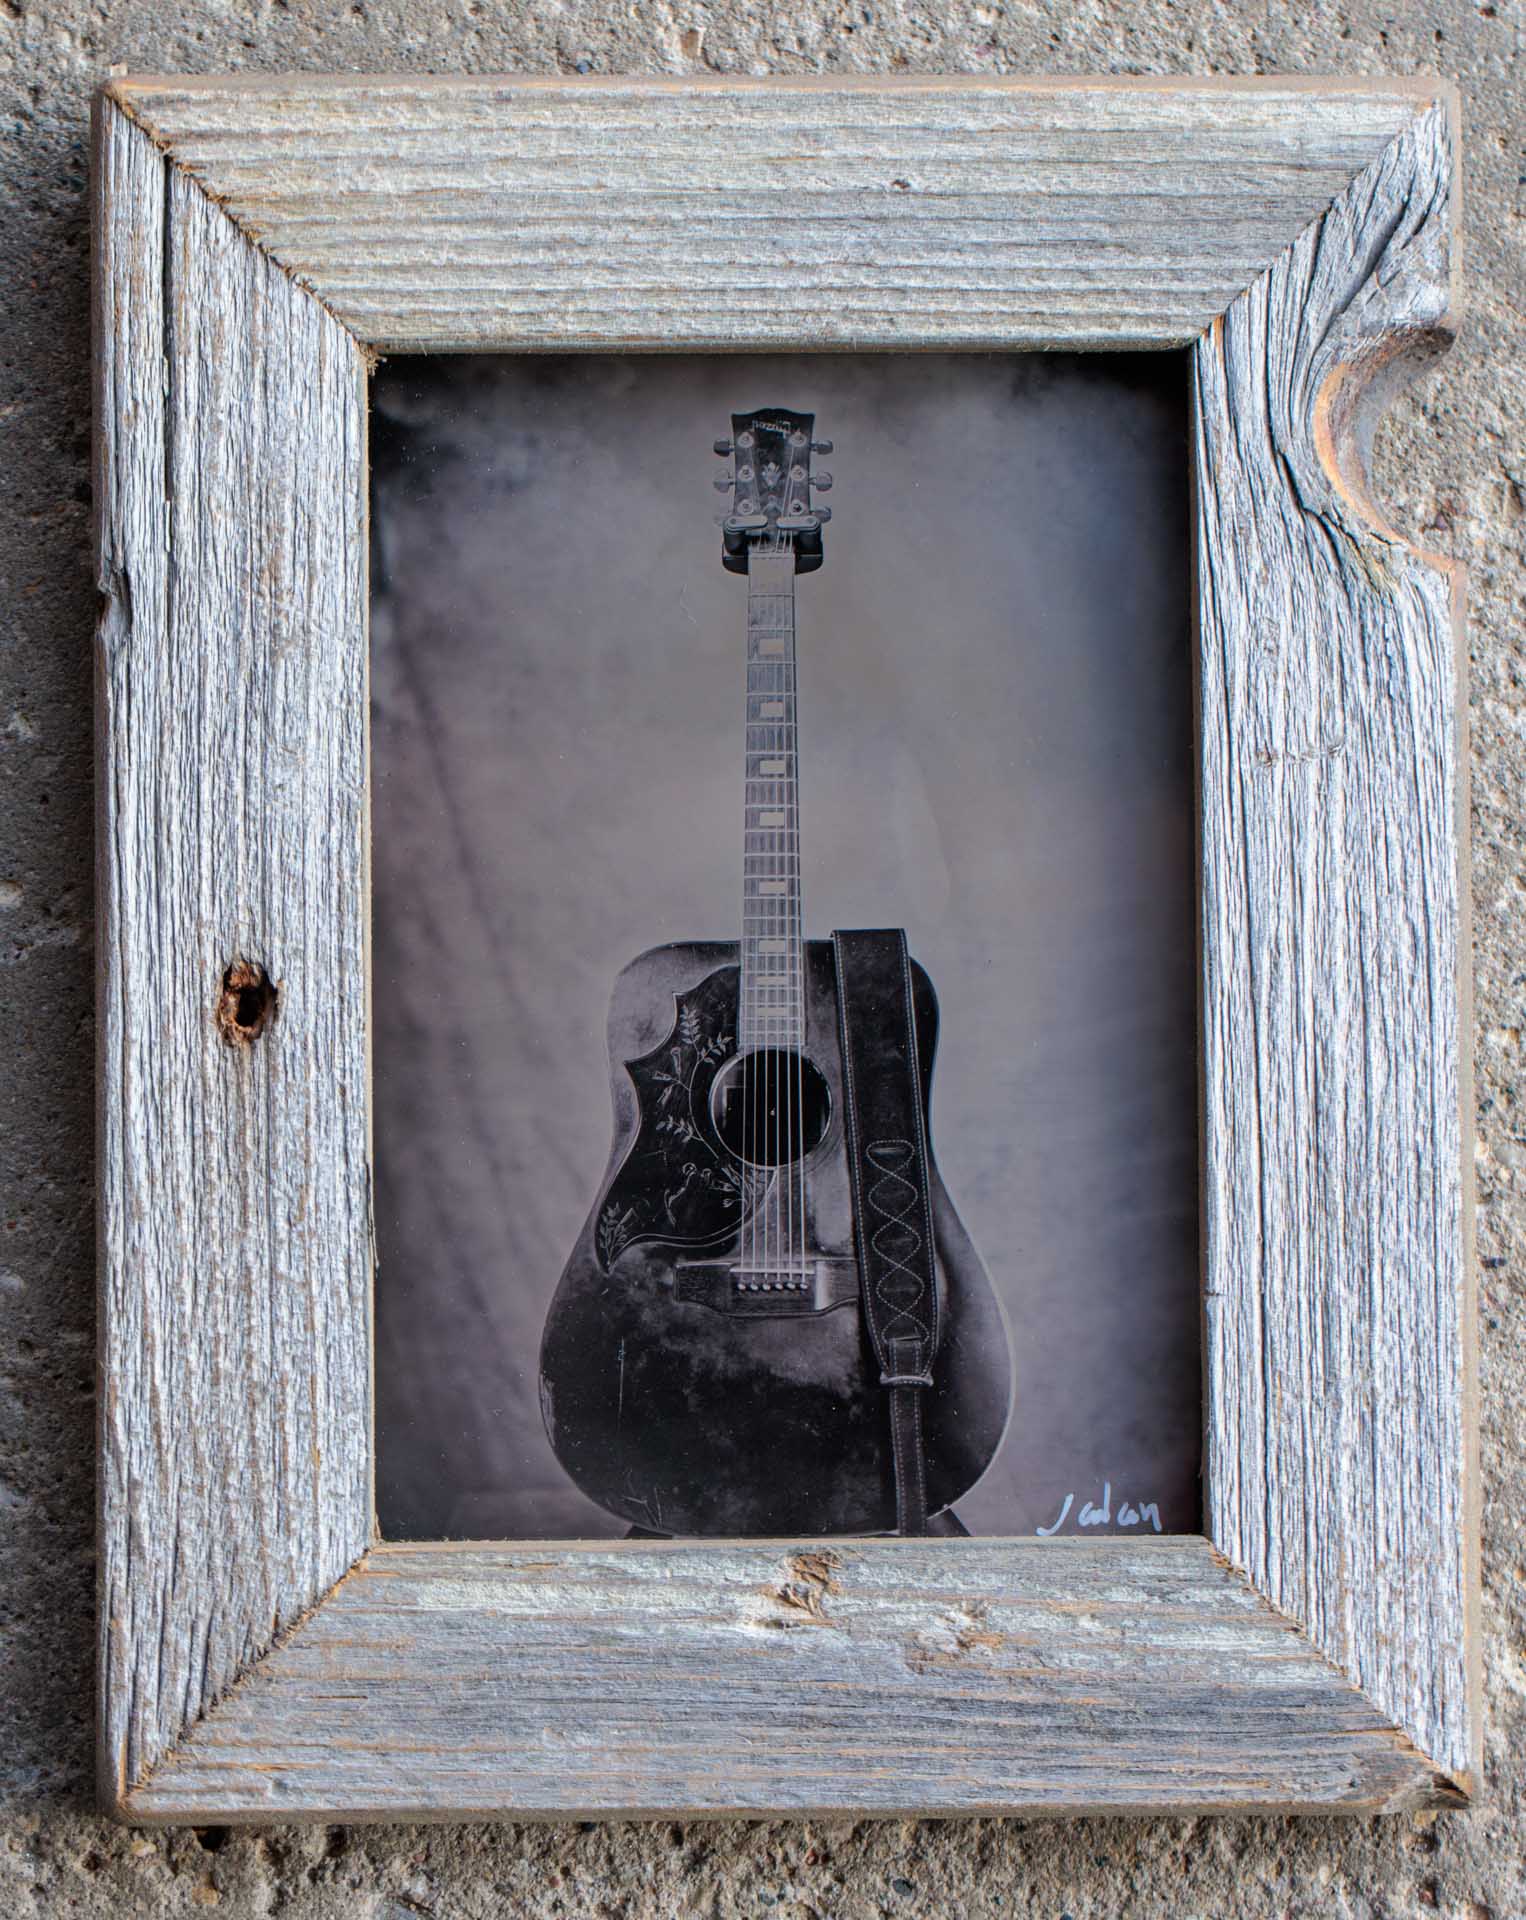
(785, 972)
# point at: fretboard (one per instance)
(770, 1010)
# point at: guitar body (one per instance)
(705, 1368)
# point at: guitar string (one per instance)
(781, 1178)
(780, 1083)
(789, 902)
(755, 1076)
(787, 1171)
(768, 615)
(765, 996)
(776, 615)
(787, 611)
(778, 1232)
(750, 1236)
(778, 1023)
(794, 1070)
(788, 814)
(751, 1089)
(785, 1059)
(797, 927)
(755, 1088)
(771, 1070)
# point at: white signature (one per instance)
(1147, 1513)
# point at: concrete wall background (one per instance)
(1451, 468)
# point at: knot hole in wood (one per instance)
(247, 1004)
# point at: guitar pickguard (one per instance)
(678, 1184)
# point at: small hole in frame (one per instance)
(247, 1003)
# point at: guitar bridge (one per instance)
(769, 1287)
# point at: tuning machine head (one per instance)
(771, 450)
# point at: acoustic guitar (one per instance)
(705, 1366)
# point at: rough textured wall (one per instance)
(1451, 467)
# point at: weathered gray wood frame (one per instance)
(262, 1655)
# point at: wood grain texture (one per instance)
(235, 1245)
(882, 1677)
(504, 212)
(235, 1237)
(1337, 1270)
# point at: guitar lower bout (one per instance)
(705, 1368)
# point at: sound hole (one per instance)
(770, 1107)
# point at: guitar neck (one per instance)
(770, 1006)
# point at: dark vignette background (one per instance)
(995, 752)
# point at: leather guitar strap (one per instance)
(892, 1201)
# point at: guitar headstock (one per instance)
(772, 487)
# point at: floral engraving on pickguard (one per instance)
(678, 1183)
(616, 1229)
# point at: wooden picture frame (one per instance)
(262, 1655)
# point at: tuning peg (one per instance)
(725, 485)
(821, 482)
(822, 513)
(821, 446)
(723, 447)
